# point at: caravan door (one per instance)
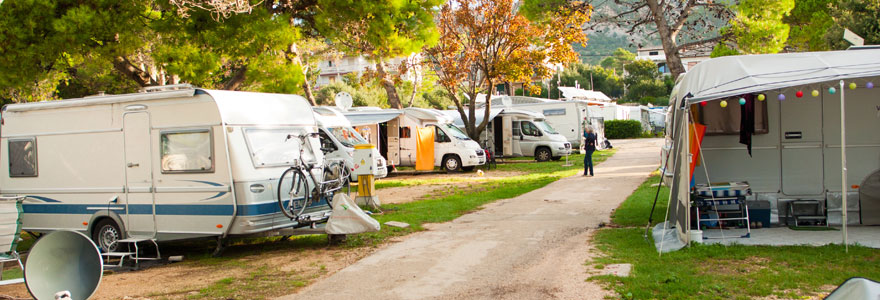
(140, 205)
(802, 153)
(393, 143)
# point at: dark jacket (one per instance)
(589, 141)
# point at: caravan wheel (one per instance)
(106, 234)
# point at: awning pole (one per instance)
(843, 163)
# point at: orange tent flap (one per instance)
(695, 139)
(425, 149)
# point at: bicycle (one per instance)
(294, 193)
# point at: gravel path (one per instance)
(530, 247)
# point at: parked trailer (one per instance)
(569, 118)
(396, 137)
(338, 139)
(514, 132)
(166, 164)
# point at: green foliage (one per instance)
(758, 26)
(376, 28)
(860, 17)
(604, 80)
(601, 46)
(809, 22)
(644, 83)
(722, 49)
(618, 59)
(369, 92)
(46, 41)
(623, 129)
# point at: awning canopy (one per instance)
(360, 118)
(582, 94)
(736, 75)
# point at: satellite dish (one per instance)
(506, 101)
(343, 100)
(63, 262)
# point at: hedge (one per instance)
(623, 129)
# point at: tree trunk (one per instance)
(670, 48)
(486, 113)
(393, 97)
(139, 76)
(412, 96)
(237, 79)
(307, 86)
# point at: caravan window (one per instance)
(405, 132)
(554, 112)
(276, 147)
(23, 157)
(189, 151)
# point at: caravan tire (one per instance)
(451, 163)
(543, 154)
(105, 234)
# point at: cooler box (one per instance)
(759, 211)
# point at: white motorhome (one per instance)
(515, 132)
(338, 139)
(396, 133)
(568, 117)
(796, 149)
(171, 163)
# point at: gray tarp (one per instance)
(856, 288)
(360, 118)
(736, 75)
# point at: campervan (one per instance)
(338, 139)
(826, 102)
(397, 131)
(171, 162)
(514, 132)
(568, 117)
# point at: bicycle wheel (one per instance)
(293, 193)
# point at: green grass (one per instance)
(717, 271)
(728, 272)
(637, 207)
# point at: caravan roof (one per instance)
(236, 108)
(426, 114)
(746, 74)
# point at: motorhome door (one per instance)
(506, 136)
(515, 148)
(139, 200)
(393, 135)
(801, 135)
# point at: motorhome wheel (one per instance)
(451, 163)
(542, 154)
(105, 235)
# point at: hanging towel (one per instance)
(747, 122)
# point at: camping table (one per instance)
(723, 194)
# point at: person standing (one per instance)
(589, 146)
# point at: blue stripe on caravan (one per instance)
(161, 209)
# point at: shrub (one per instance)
(623, 129)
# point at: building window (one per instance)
(329, 63)
(23, 157)
(187, 151)
(654, 53)
(554, 112)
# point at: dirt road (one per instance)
(530, 247)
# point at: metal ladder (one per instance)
(132, 251)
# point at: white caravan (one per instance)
(338, 139)
(396, 134)
(796, 148)
(170, 163)
(568, 117)
(514, 132)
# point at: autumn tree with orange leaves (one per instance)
(485, 42)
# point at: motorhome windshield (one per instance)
(546, 127)
(347, 136)
(454, 131)
(272, 147)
